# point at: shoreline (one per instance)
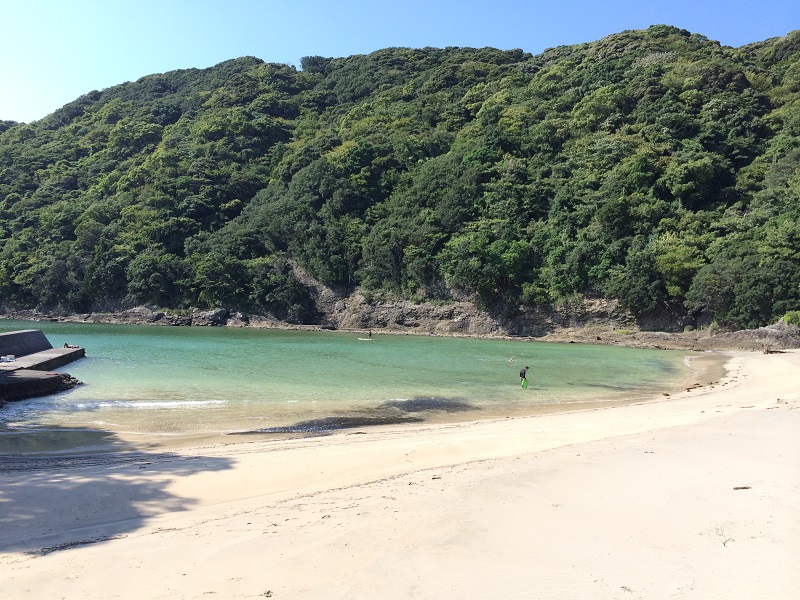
(700, 370)
(704, 372)
(695, 495)
(765, 339)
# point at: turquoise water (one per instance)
(179, 381)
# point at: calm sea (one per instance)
(167, 383)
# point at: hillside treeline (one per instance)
(656, 167)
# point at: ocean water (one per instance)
(166, 383)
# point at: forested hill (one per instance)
(655, 166)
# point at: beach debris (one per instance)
(75, 544)
(742, 487)
(725, 543)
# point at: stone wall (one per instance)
(22, 343)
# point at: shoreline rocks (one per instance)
(590, 322)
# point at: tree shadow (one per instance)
(60, 499)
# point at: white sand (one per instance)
(631, 502)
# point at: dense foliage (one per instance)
(656, 167)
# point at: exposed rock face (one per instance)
(325, 299)
(769, 339)
(356, 311)
(464, 318)
(425, 317)
(774, 338)
(211, 317)
(596, 321)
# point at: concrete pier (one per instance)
(27, 376)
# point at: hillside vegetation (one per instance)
(655, 167)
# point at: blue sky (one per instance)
(52, 51)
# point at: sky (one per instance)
(53, 51)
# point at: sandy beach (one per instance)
(692, 495)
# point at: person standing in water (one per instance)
(523, 377)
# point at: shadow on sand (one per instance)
(54, 500)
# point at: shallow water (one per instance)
(190, 381)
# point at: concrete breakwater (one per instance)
(27, 358)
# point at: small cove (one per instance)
(163, 385)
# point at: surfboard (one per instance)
(365, 339)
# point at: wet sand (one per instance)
(692, 495)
